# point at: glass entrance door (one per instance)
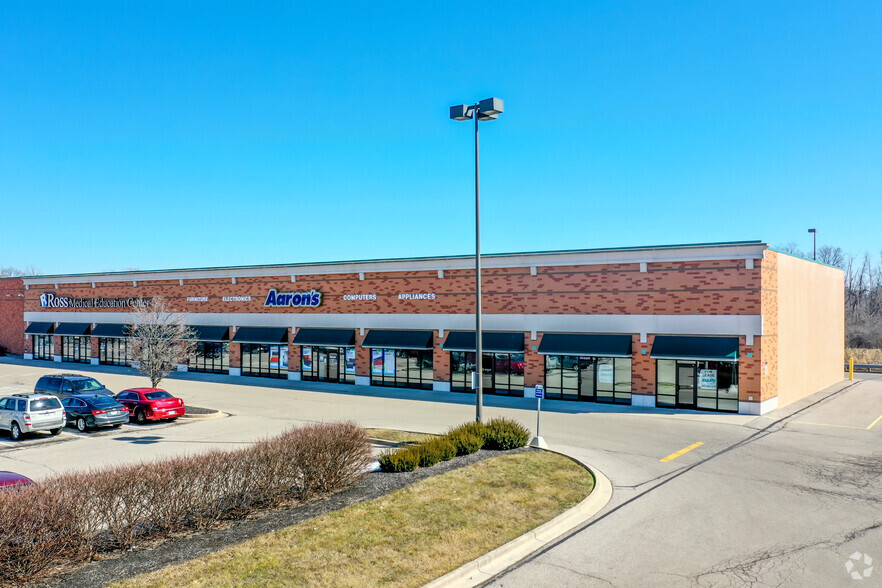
(487, 368)
(333, 365)
(322, 361)
(686, 385)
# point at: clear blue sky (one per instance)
(190, 134)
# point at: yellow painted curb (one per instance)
(488, 565)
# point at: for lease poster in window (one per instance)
(389, 362)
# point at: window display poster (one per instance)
(274, 357)
(389, 362)
(350, 360)
(306, 360)
(376, 362)
(283, 357)
(605, 373)
(707, 379)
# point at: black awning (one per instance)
(208, 333)
(111, 330)
(490, 342)
(75, 329)
(325, 337)
(271, 335)
(39, 328)
(699, 348)
(579, 344)
(399, 339)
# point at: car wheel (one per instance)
(55, 431)
(140, 416)
(15, 432)
(81, 424)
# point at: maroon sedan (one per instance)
(151, 404)
(10, 479)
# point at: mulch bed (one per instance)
(198, 410)
(176, 549)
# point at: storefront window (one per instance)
(503, 372)
(213, 357)
(703, 385)
(604, 379)
(265, 361)
(43, 346)
(77, 349)
(114, 351)
(407, 368)
(328, 364)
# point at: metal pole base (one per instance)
(538, 442)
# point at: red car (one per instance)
(10, 479)
(151, 404)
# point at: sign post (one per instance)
(538, 441)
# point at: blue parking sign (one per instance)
(540, 392)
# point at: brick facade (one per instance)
(716, 284)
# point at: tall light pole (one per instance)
(487, 109)
(814, 232)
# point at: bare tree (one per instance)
(14, 272)
(792, 248)
(160, 339)
(834, 256)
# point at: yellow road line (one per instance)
(681, 452)
(878, 418)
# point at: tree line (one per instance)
(863, 292)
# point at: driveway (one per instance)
(698, 498)
(785, 500)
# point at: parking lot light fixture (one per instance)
(814, 233)
(487, 109)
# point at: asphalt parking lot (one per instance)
(698, 498)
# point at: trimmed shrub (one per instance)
(465, 442)
(405, 460)
(503, 433)
(473, 428)
(69, 517)
(446, 449)
(36, 534)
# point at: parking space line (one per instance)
(873, 424)
(681, 452)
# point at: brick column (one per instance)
(534, 364)
(294, 363)
(642, 372)
(362, 360)
(440, 364)
(94, 342)
(57, 339)
(235, 356)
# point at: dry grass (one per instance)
(864, 355)
(406, 538)
(398, 436)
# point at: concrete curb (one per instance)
(488, 565)
(214, 415)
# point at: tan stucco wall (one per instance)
(810, 326)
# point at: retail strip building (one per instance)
(734, 327)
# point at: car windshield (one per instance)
(86, 385)
(45, 404)
(157, 395)
(103, 402)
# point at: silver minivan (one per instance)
(25, 413)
